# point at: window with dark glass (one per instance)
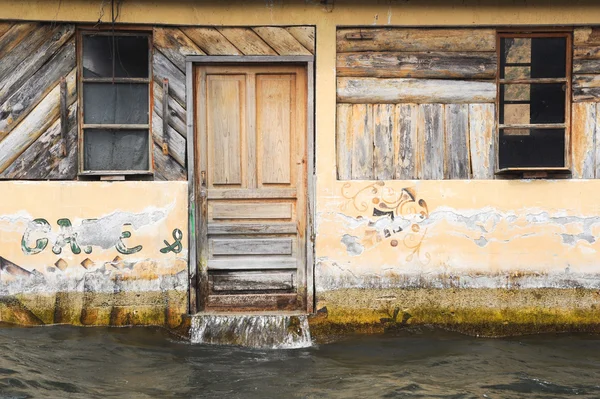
(115, 99)
(533, 96)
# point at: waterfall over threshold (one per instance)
(267, 331)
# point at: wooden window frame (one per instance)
(537, 171)
(125, 31)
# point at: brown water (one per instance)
(69, 362)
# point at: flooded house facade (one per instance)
(372, 163)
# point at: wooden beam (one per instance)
(177, 114)
(28, 95)
(165, 117)
(583, 137)
(457, 141)
(211, 41)
(305, 35)
(247, 41)
(281, 40)
(405, 141)
(24, 69)
(586, 66)
(430, 136)
(163, 68)
(586, 36)
(482, 143)
(401, 39)
(383, 154)
(362, 142)
(36, 122)
(420, 91)
(438, 65)
(64, 122)
(175, 46)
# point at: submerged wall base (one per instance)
(164, 308)
(481, 312)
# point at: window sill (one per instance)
(115, 175)
(534, 173)
(114, 172)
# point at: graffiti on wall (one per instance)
(39, 232)
(392, 217)
(176, 247)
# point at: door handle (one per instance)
(202, 190)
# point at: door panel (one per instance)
(253, 281)
(229, 210)
(226, 97)
(242, 246)
(275, 120)
(251, 133)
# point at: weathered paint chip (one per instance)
(353, 247)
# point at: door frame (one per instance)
(197, 196)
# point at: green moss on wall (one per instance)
(481, 312)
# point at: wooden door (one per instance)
(251, 163)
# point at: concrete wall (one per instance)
(509, 252)
(93, 253)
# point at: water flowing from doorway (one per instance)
(273, 331)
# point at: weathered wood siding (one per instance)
(586, 64)
(418, 103)
(415, 141)
(585, 111)
(172, 45)
(34, 58)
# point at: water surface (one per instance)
(71, 362)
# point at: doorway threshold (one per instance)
(264, 329)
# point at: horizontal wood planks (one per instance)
(432, 65)
(35, 57)
(253, 263)
(260, 302)
(251, 210)
(416, 39)
(253, 281)
(400, 90)
(418, 103)
(255, 246)
(586, 64)
(415, 141)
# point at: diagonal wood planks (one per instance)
(35, 57)
(173, 44)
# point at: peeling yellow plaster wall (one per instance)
(460, 233)
(152, 212)
(533, 231)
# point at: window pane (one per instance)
(536, 103)
(548, 57)
(516, 50)
(517, 72)
(120, 103)
(115, 149)
(130, 56)
(531, 148)
(539, 57)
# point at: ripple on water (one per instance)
(69, 362)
